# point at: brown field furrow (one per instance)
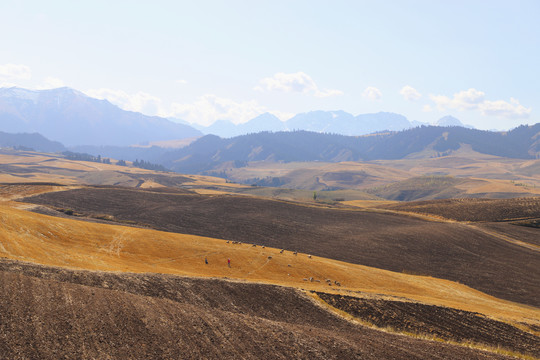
(476, 210)
(507, 238)
(439, 322)
(171, 317)
(388, 241)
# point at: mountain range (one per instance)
(74, 119)
(71, 117)
(334, 122)
(83, 124)
(210, 151)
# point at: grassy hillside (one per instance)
(373, 238)
(74, 244)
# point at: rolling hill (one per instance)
(431, 141)
(109, 275)
(389, 241)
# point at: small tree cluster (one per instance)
(85, 157)
(148, 165)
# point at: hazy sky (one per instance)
(208, 60)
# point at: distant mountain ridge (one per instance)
(34, 141)
(210, 151)
(334, 122)
(71, 117)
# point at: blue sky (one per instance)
(207, 60)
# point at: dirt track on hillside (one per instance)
(52, 313)
(388, 241)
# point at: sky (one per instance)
(202, 61)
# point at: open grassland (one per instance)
(380, 239)
(466, 174)
(463, 174)
(31, 167)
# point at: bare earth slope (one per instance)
(438, 321)
(389, 241)
(52, 313)
(475, 209)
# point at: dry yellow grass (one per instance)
(75, 244)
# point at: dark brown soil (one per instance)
(441, 322)
(516, 231)
(51, 313)
(490, 210)
(393, 242)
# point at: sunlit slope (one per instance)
(69, 243)
(32, 167)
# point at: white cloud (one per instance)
(181, 81)
(427, 108)
(15, 72)
(209, 108)
(410, 93)
(140, 101)
(299, 82)
(512, 110)
(473, 99)
(463, 100)
(372, 93)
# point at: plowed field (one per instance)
(388, 241)
(437, 321)
(475, 209)
(52, 313)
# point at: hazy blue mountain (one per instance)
(334, 122)
(370, 123)
(451, 121)
(222, 128)
(71, 117)
(263, 122)
(30, 142)
(321, 121)
(341, 122)
(209, 151)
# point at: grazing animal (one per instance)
(309, 256)
(295, 253)
(281, 251)
(269, 257)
